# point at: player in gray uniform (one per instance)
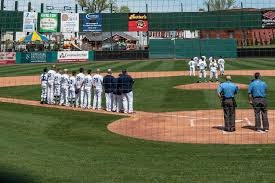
(192, 67)
(98, 89)
(50, 88)
(88, 84)
(221, 63)
(80, 88)
(72, 88)
(65, 81)
(44, 85)
(213, 66)
(57, 86)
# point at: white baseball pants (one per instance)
(222, 70)
(213, 75)
(109, 100)
(44, 88)
(87, 98)
(117, 103)
(202, 74)
(127, 100)
(80, 99)
(97, 99)
(72, 96)
(192, 71)
(50, 91)
(64, 95)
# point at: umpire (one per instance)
(226, 92)
(257, 98)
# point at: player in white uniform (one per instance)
(57, 86)
(221, 63)
(192, 66)
(65, 81)
(50, 89)
(44, 86)
(213, 66)
(80, 88)
(88, 84)
(97, 83)
(72, 87)
(202, 70)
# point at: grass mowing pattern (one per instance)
(137, 66)
(51, 145)
(158, 94)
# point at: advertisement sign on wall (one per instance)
(73, 56)
(29, 21)
(48, 22)
(268, 19)
(137, 22)
(7, 58)
(69, 22)
(92, 22)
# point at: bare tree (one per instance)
(214, 5)
(94, 6)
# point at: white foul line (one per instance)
(248, 121)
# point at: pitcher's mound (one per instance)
(206, 86)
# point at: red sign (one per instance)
(138, 22)
(7, 58)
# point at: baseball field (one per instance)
(174, 136)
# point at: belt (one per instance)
(230, 98)
(258, 97)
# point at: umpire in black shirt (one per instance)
(125, 83)
(108, 88)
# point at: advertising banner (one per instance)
(73, 56)
(137, 22)
(48, 22)
(268, 19)
(29, 21)
(69, 22)
(7, 58)
(92, 22)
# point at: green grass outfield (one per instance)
(158, 94)
(44, 145)
(166, 65)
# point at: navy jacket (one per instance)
(116, 89)
(108, 83)
(125, 83)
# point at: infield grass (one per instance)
(45, 145)
(159, 94)
(137, 66)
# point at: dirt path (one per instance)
(202, 127)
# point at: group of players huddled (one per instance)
(201, 65)
(59, 87)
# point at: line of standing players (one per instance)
(58, 87)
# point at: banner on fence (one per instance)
(69, 22)
(268, 19)
(48, 22)
(73, 56)
(138, 22)
(7, 58)
(29, 21)
(92, 22)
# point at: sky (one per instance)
(140, 5)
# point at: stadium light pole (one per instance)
(2, 5)
(16, 9)
(148, 40)
(111, 9)
(42, 8)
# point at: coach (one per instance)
(125, 83)
(226, 92)
(257, 98)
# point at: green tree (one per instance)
(124, 9)
(93, 6)
(215, 5)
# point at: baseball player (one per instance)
(88, 84)
(72, 87)
(117, 96)
(108, 88)
(213, 66)
(44, 86)
(221, 63)
(50, 88)
(97, 83)
(65, 82)
(202, 69)
(80, 88)
(57, 87)
(192, 65)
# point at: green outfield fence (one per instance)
(187, 48)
